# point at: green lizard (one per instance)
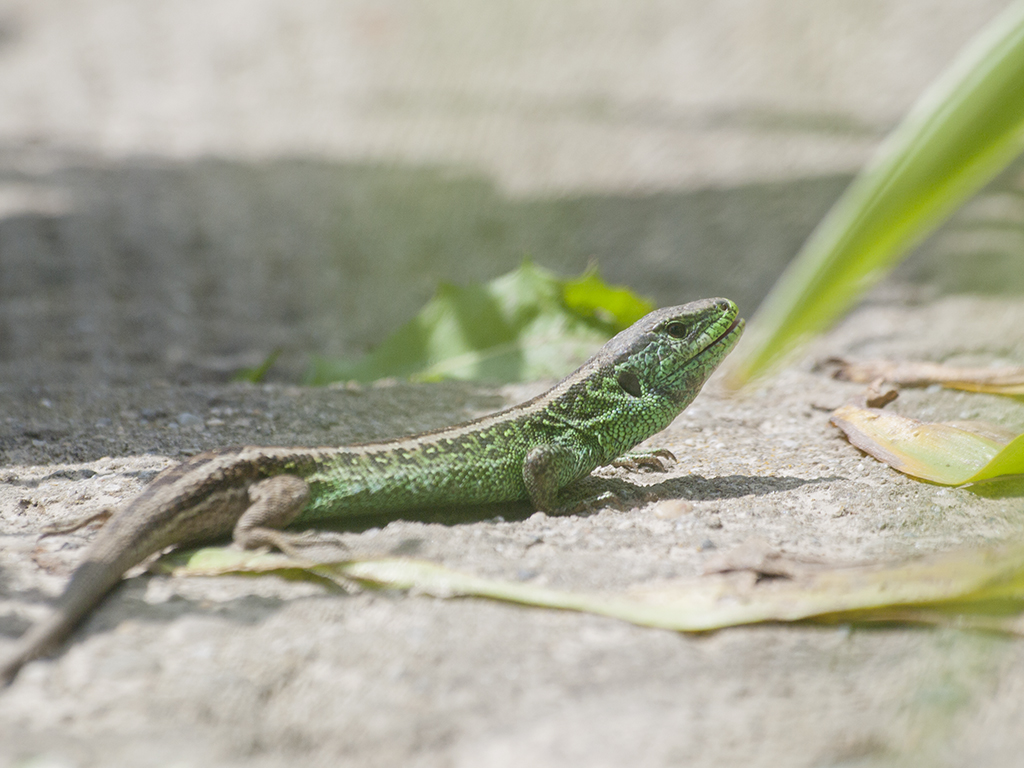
(632, 388)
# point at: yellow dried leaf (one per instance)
(995, 381)
(941, 453)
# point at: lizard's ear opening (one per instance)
(630, 383)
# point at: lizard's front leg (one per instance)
(546, 470)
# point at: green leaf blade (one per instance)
(966, 128)
(1009, 461)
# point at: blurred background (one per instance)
(187, 185)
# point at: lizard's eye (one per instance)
(677, 330)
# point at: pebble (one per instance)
(671, 509)
(188, 420)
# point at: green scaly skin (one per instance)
(631, 389)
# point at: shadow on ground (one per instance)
(125, 271)
(146, 268)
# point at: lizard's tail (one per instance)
(129, 537)
(89, 584)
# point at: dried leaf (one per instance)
(941, 453)
(1000, 381)
(978, 587)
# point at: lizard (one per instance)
(631, 389)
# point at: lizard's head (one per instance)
(671, 352)
(645, 376)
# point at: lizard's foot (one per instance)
(68, 526)
(294, 544)
(311, 548)
(274, 503)
(589, 505)
(587, 497)
(655, 460)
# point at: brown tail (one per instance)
(91, 581)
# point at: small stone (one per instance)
(672, 509)
(188, 420)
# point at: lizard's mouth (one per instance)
(730, 333)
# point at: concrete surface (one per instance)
(186, 186)
(260, 671)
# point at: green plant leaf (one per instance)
(1009, 461)
(963, 130)
(257, 374)
(590, 296)
(527, 324)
